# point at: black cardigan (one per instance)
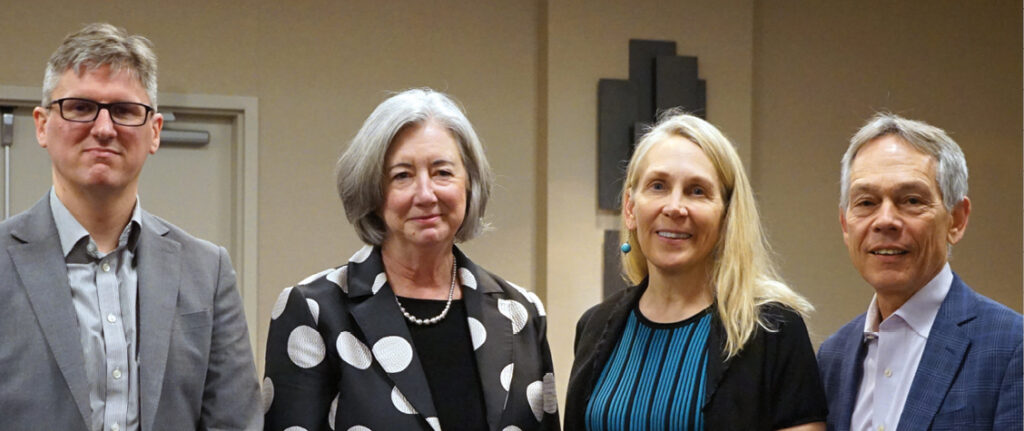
(772, 383)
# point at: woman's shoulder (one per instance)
(330, 281)
(781, 321)
(512, 291)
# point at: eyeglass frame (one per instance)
(101, 106)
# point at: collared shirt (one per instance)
(104, 290)
(894, 349)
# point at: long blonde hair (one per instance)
(743, 276)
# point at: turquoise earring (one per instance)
(625, 247)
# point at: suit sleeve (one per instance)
(231, 391)
(299, 386)
(1009, 409)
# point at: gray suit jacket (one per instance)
(195, 363)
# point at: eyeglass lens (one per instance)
(84, 110)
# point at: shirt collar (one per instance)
(71, 231)
(920, 310)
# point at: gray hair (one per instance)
(951, 166)
(100, 44)
(360, 169)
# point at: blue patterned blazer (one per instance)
(969, 377)
(340, 356)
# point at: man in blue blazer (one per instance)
(930, 353)
(111, 318)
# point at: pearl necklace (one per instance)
(437, 318)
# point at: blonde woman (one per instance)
(709, 337)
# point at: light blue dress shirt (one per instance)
(104, 290)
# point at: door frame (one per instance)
(244, 112)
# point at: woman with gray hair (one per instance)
(410, 334)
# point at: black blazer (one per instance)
(773, 382)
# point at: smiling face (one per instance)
(424, 188)
(675, 207)
(99, 156)
(895, 226)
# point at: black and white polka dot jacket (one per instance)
(340, 357)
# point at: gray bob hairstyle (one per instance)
(360, 169)
(100, 44)
(951, 166)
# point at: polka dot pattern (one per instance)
(333, 412)
(295, 428)
(314, 309)
(300, 350)
(532, 297)
(393, 353)
(477, 332)
(268, 394)
(306, 347)
(506, 376)
(400, 402)
(339, 277)
(361, 255)
(282, 301)
(466, 278)
(378, 282)
(314, 277)
(514, 311)
(353, 351)
(535, 396)
(550, 398)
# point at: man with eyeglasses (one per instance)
(111, 318)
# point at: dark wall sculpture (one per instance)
(658, 80)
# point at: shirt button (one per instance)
(106, 267)
(881, 428)
(114, 427)
(111, 318)
(888, 373)
(116, 373)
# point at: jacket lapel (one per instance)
(612, 331)
(159, 275)
(40, 265)
(851, 371)
(717, 364)
(944, 353)
(376, 314)
(491, 334)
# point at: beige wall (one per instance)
(821, 69)
(787, 81)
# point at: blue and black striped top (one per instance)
(654, 379)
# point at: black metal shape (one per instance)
(612, 271)
(642, 54)
(616, 114)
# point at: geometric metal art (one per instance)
(611, 274)
(658, 80)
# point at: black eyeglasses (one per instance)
(85, 111)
